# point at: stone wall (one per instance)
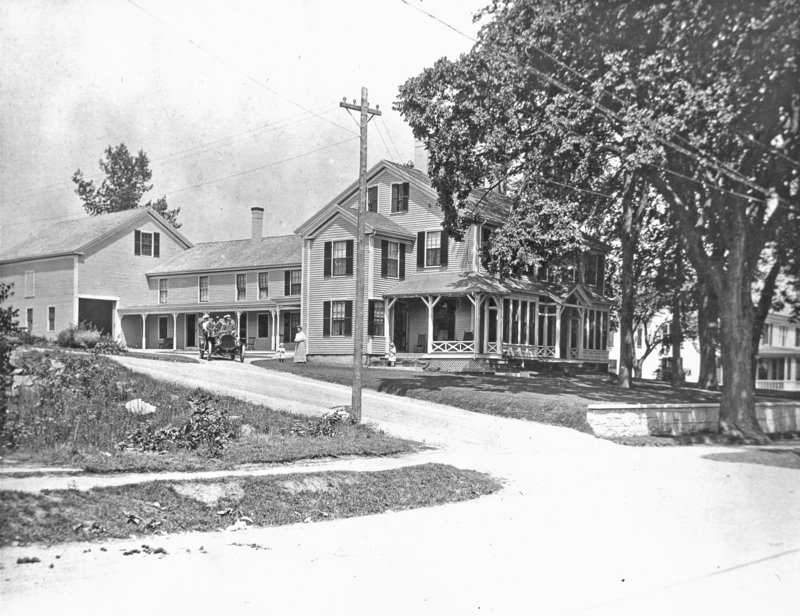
(613, 420)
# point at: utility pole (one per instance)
(358, 330)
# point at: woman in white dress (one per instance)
(300, 349)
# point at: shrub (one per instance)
(82, 336)
(108, 346)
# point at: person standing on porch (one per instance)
(300, 349)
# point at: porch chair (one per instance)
(422, 344)
(162, 343)
(251, 344)
(468, 336)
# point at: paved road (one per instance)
(582, 527)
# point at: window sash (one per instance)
(202, 284)
(372, 199)
(392, 259)
(147, 244)
(339, 254)
(433, 248)
(400, 197)
(294, 282)
(241, 287)
(263, 285)
(51, 318)
(337, 318)
(29, 319)
(378, 317)
(163, 290)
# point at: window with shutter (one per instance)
(338, 318)
(375, 324)
(390, 259)
(339, 265)
(400, 194)
(372, 199)
(295, 278)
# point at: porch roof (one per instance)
(776, 351)
(465, 283)
(232, 307)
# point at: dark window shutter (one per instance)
(601, 270)
(287, 282)
(406, 192)
(348, 318)
(137, 242)
(372, 199)
(287, 328)
(421, 249)
(384, 258)
(402, 267)
(443, 258)
(395, 204)
(326, 268)
(156, 245)
(326, 318)
(371, 318)
(348, 267)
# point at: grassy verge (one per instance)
(554, 400)
(70, 411)
(165, 507)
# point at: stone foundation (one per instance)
(613, 420)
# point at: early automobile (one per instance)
(226, 345)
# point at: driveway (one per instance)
(582, 526)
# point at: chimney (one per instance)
(257, 223)
(420, 156)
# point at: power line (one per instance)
(389, 134)
(385, 145)
(278, 162)
(236, 69)
(732, 174)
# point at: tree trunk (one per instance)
(637, 368)
(629, 237)
(737, 406)
(707, 335)
(676, 378)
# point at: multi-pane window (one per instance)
(400, 197)
(146, 243)
(51, 318)
(375, 324)
(372, 199)
(263, 285)
(294, 283)
(594, 269)
(392, 259)
(263, 325)
(783, 335)
(339, 258)
(433, 246)
(595, 333)
(30, 284)
(241, 287)
(163, 290)
(766, 335)
(29, 319)
(338, 318)
(202, 285)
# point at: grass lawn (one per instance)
(155, 507)
(71, 412)
(555, 400)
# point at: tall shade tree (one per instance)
(696, 99)
(127, 179)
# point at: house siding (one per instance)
(54, 285)
(112, 270)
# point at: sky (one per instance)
(236, 103)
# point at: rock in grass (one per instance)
(140, 407)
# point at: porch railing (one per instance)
(453, 346)
(771, 384)
(528, 351)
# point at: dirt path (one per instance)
(582, 526)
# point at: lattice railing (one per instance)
(527, 351)
(453, 346)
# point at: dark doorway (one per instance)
(444, 320)
(191, 330)
(97, 312)
(400, 325)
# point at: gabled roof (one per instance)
(493, 206)
(374, 222)
(76, 236)
(234, 255)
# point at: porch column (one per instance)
(277, 327)
(238, 323)
(582, 321)
(174, 331)
(559, 312)
(535, 319)
(500, 326)
(476, 299)
(431, 304)
(486, 309)
(389, 316)
(144, 330)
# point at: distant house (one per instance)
(87, 270)
(257, 281)
(777, 361)
(429, 294)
